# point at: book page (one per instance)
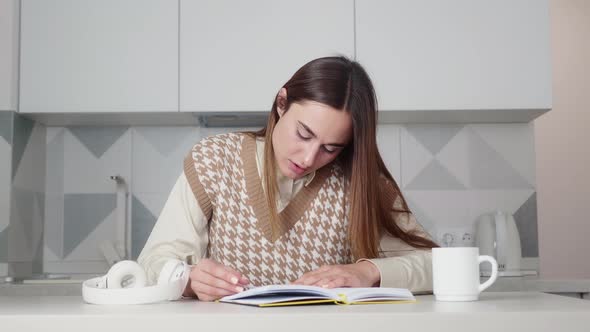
(273, 295)
(293, 292)
(355, 294)
(261, 300)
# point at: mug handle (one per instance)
(494, 276)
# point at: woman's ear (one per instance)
(282, 102)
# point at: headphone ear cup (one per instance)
(126, 274)
(172, 270)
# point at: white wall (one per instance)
(562, 148)
(8, 54)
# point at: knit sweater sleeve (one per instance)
(180, 231)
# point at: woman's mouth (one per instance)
(296, 168)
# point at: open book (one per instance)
(284, 295)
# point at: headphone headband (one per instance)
(107, 289)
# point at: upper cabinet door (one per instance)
(456, 54)
(99, 56)
(236, 55)
(8, 54)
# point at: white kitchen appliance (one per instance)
(496, 235)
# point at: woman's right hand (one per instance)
(210, 281)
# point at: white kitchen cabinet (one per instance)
(474, 55)
(8, 54)
(236, 55)
(99, 56)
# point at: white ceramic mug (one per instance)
(455, 273)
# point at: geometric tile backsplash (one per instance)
(22, 194)
(5, 185)
(82, 207)
(449, 173)
(453, 173)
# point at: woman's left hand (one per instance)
(361, 274)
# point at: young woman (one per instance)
(306, 200)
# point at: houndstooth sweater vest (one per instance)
(312, 228)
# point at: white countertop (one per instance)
(522, 284)
(509, 311)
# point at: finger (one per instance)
(307, 275)
(244, 281)
(323, 282)
(299, 281)
(330, 281)
(208, 293)
(315, 274)
(337, 282)
(206, 298)
(223, 272)
(311, 278)
(215, 282)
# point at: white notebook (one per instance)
(285, 295)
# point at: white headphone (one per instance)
(125, 283)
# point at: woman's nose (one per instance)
(310, 156)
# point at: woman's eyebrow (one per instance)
(306, 128)
(340, 145)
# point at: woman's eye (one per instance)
(329, 150)
(301, 136)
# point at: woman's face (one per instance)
(308, 136)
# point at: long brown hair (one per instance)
(344, 85)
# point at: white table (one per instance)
(502, 311)
(574, 287)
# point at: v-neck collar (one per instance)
(289, 216)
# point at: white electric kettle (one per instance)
(496, 235)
